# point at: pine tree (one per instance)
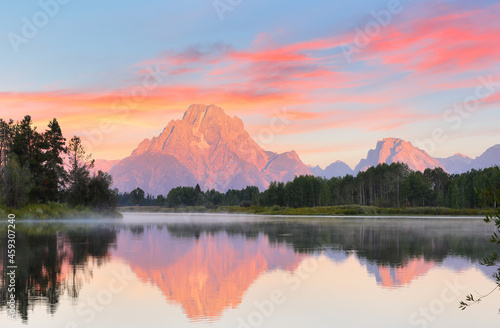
(29, 146)
(53, 166)
(79, 174)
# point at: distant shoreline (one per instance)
(345, 210)
(57, 211)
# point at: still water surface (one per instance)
(159, 270)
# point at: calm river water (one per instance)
(163, 270)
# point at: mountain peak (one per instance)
(336, 169)
(211, 148)
(393, 150)
(489, 158)
(391, 139)
(197, 113)
(457, 163)
(389, 142)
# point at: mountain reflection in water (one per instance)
(208, 268)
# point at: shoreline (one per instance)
(335, 211)
(58, 211)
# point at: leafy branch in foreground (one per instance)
(490, 197)
(469, 299)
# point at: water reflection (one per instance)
(206, 273)
(208, 269)
(393, 277)
(50, 263)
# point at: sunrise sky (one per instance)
(325, 78)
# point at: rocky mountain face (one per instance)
(206, 147)
(338, 169)
(284, 167)
(154, 173)
(393, 150)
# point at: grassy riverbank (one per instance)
(56, 211)
(326, 210)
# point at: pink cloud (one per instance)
(493, 99)
(448, 39)
(309, 77)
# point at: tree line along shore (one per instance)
(382, 190)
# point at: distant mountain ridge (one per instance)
(205, 147)
(209, 148)
(337, 169)
(459, 163)
(392, 150)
